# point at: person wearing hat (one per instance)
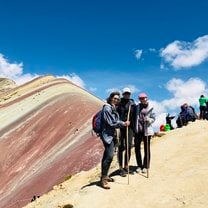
(125, 104)
(144, 117)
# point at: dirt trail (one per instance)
(178, 178)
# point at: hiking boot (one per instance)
(139, 170)
(144, 170)
(123, 173)
(109, 179)
(104, 183)
(131, 172)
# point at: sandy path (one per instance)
(178, 178)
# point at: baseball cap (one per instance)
(142, 95)
(126, 89)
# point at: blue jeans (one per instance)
(107, 158)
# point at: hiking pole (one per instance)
(146, 123)
(147, 150)
(127, 141)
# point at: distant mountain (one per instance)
(6, 84)
(45, 136)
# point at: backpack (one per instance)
(96, 122)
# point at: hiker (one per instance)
(168, 120)
(144, 117)
(202, 107)
(187, 114)
(191, 114)
(125, 104)
(181, 120)
(109, 122)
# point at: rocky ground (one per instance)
(178, 178)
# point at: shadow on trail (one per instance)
(94, 183)
(115, 173)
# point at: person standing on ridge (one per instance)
(124, 106)
(109, 122)
(202, 107)
(144, 131)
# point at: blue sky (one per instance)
(155, 46)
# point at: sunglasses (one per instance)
(116, 99)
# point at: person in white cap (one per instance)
(143, 132)
(123, 109)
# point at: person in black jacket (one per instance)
(125, 104)
(109, 122)
(168, 120)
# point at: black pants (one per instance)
(202, 114)
(123, 147)
(107, 158)
(137, 142)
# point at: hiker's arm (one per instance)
(151, 118)
(110, 119)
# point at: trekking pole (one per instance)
(147, 150)
(146, 123)
(127, 141)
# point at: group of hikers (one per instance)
(188, 112)
(121, 121)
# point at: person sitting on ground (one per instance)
(125, 104)
(191, 114)
(168, 120)
(181, 121)
(109, 122)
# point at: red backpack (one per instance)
(96, 123)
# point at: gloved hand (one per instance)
(147, 119)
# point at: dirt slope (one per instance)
(178, 178)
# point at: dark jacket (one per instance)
(123, 109)
(109, 122)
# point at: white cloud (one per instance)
(25, 78)
(133, 89)
(14, 71)
(184, 91)
(92, 89)
(181, 54)
(138, 54)
(152, 50)
(108, 91)
(9, 69)
(74, 78)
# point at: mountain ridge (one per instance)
(45, 129)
